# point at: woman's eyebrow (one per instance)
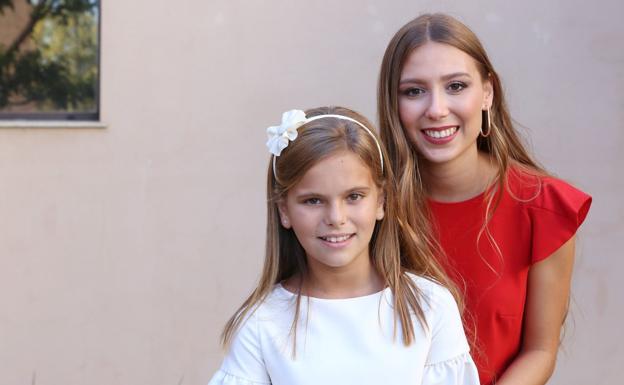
(443, 77)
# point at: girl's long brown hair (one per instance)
(396, 247)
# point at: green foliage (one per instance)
(5, 4)
(58, 69)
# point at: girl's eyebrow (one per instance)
(312, 194)
(362, 189)
(444, 77)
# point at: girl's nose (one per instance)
(438, 107)
(336, 214)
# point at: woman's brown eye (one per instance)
(456, 86)
(413, 91)
(355, 197)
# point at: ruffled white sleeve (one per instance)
(224, 378)
(244, 363)
(449, 361)
(460, 370)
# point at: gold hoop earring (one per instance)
(488, 123)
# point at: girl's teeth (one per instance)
(336, 239)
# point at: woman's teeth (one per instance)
(441, 134)
(341, 238)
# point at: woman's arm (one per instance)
(545, 310)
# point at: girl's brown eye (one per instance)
(312, 201)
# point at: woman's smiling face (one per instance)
(441, 97)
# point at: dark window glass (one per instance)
(49, 59)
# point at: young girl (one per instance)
(505, 225)
(348, 294)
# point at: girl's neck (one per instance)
(337, 283)
(459, 179)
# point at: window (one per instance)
(49, 59)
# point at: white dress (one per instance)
(349, 341)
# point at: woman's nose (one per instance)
(437, 108)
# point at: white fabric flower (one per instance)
(279, 136)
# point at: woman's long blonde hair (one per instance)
(395, 249)
(503, 144)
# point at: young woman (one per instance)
(505, 226)
(348, 294)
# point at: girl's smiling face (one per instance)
(441, 97)
(333, 210)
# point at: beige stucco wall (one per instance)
(124, 249)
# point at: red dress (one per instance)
(527, 227)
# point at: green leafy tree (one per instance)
(57, 70)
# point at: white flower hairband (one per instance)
(280, 136)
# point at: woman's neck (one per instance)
(460, 179)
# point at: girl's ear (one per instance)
(488, 93)
(380, 206)
(283, 213)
